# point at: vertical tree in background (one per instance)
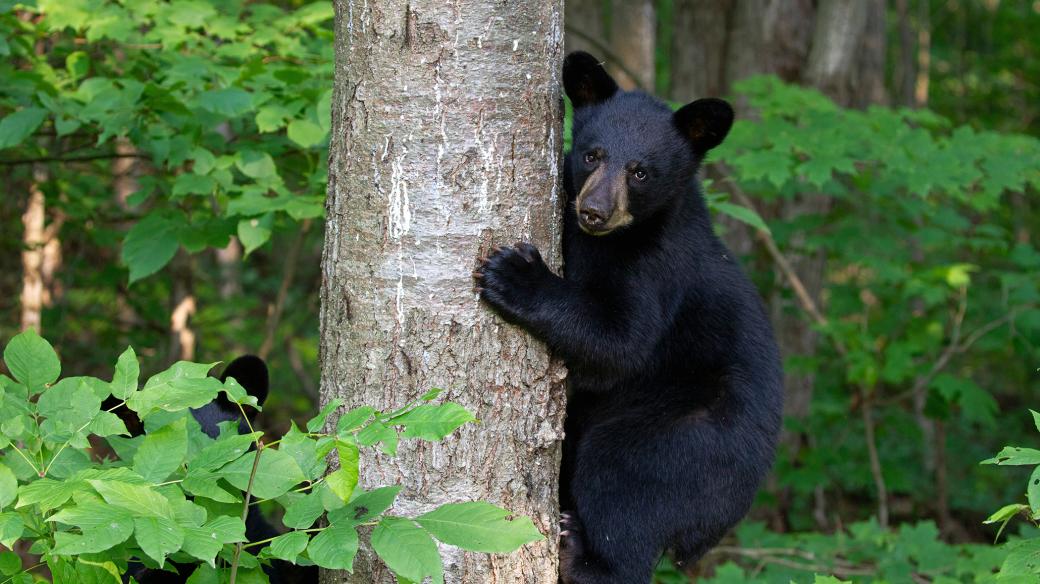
(633, 32)
(446, 141)
(836, 46)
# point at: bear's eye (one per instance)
(639, 174)
(591, 157)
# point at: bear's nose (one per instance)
(592, 216)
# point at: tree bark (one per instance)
(585, 31)
(34, 240)
(633, 32)
(446, 141)
(698, 52)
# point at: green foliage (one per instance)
(929, 289)
(209, 93)
(160, 500)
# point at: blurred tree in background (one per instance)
(164, 166)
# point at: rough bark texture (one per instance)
(699, 50)
(446, 141)
(585, 31)
(633, 32)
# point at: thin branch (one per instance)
(781, 261)
(955, 348)
(84, 158)
(776, 556)
(245, 508)
(875, 458)
(606, 52)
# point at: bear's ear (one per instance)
(586, 81)
(251, 373)
(704, 123)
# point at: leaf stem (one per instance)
(245, 503)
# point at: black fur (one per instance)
(676, 384)
(251, 373)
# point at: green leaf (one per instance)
(742, 214)
(222, 451)
(102, 526)
(77, 63)
(290, 545)
(158, 537)
(1005, 514)
(125, 378)
(107, 424)
(230, 102)
(47, 493)
(254, 232)
(256, 164)
(354, 419)
(304, 450)
(345, 478)
(1036, 419)
(376, 432)
(184, 385)
(335, 546)
(192, 184)
(149, 245)
(18, 126)
(69, 406)
(433, 422)
(366, 506)
(162, 452)
(1023, 559)
(10, 563)
(479, 527)
(206, 541)
(1033, 490)
(276, 473)
(1015, 456)
(316, 423)
(303, 511)
(140, 500)
(306, 133)
(407, 550)
(8, 486)
(11, 528)
(32, 361)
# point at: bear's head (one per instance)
(251, 373)
(631, 155)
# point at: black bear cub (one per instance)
(676, 384)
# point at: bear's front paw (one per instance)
(572, 547)
(510, 279)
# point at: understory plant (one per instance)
(91, 500)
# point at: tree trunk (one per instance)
(633, 32)
(585, 31)
(698, 51)
(837, 46)
(446, 141)
(33, 242)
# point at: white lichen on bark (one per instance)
(446, 126)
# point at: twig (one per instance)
(245, 510)
(606, 52)
(774, 556)
(781, 261)
(875, 458)
(954, 349)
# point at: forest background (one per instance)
(165, 190)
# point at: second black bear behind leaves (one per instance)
(676, 384)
